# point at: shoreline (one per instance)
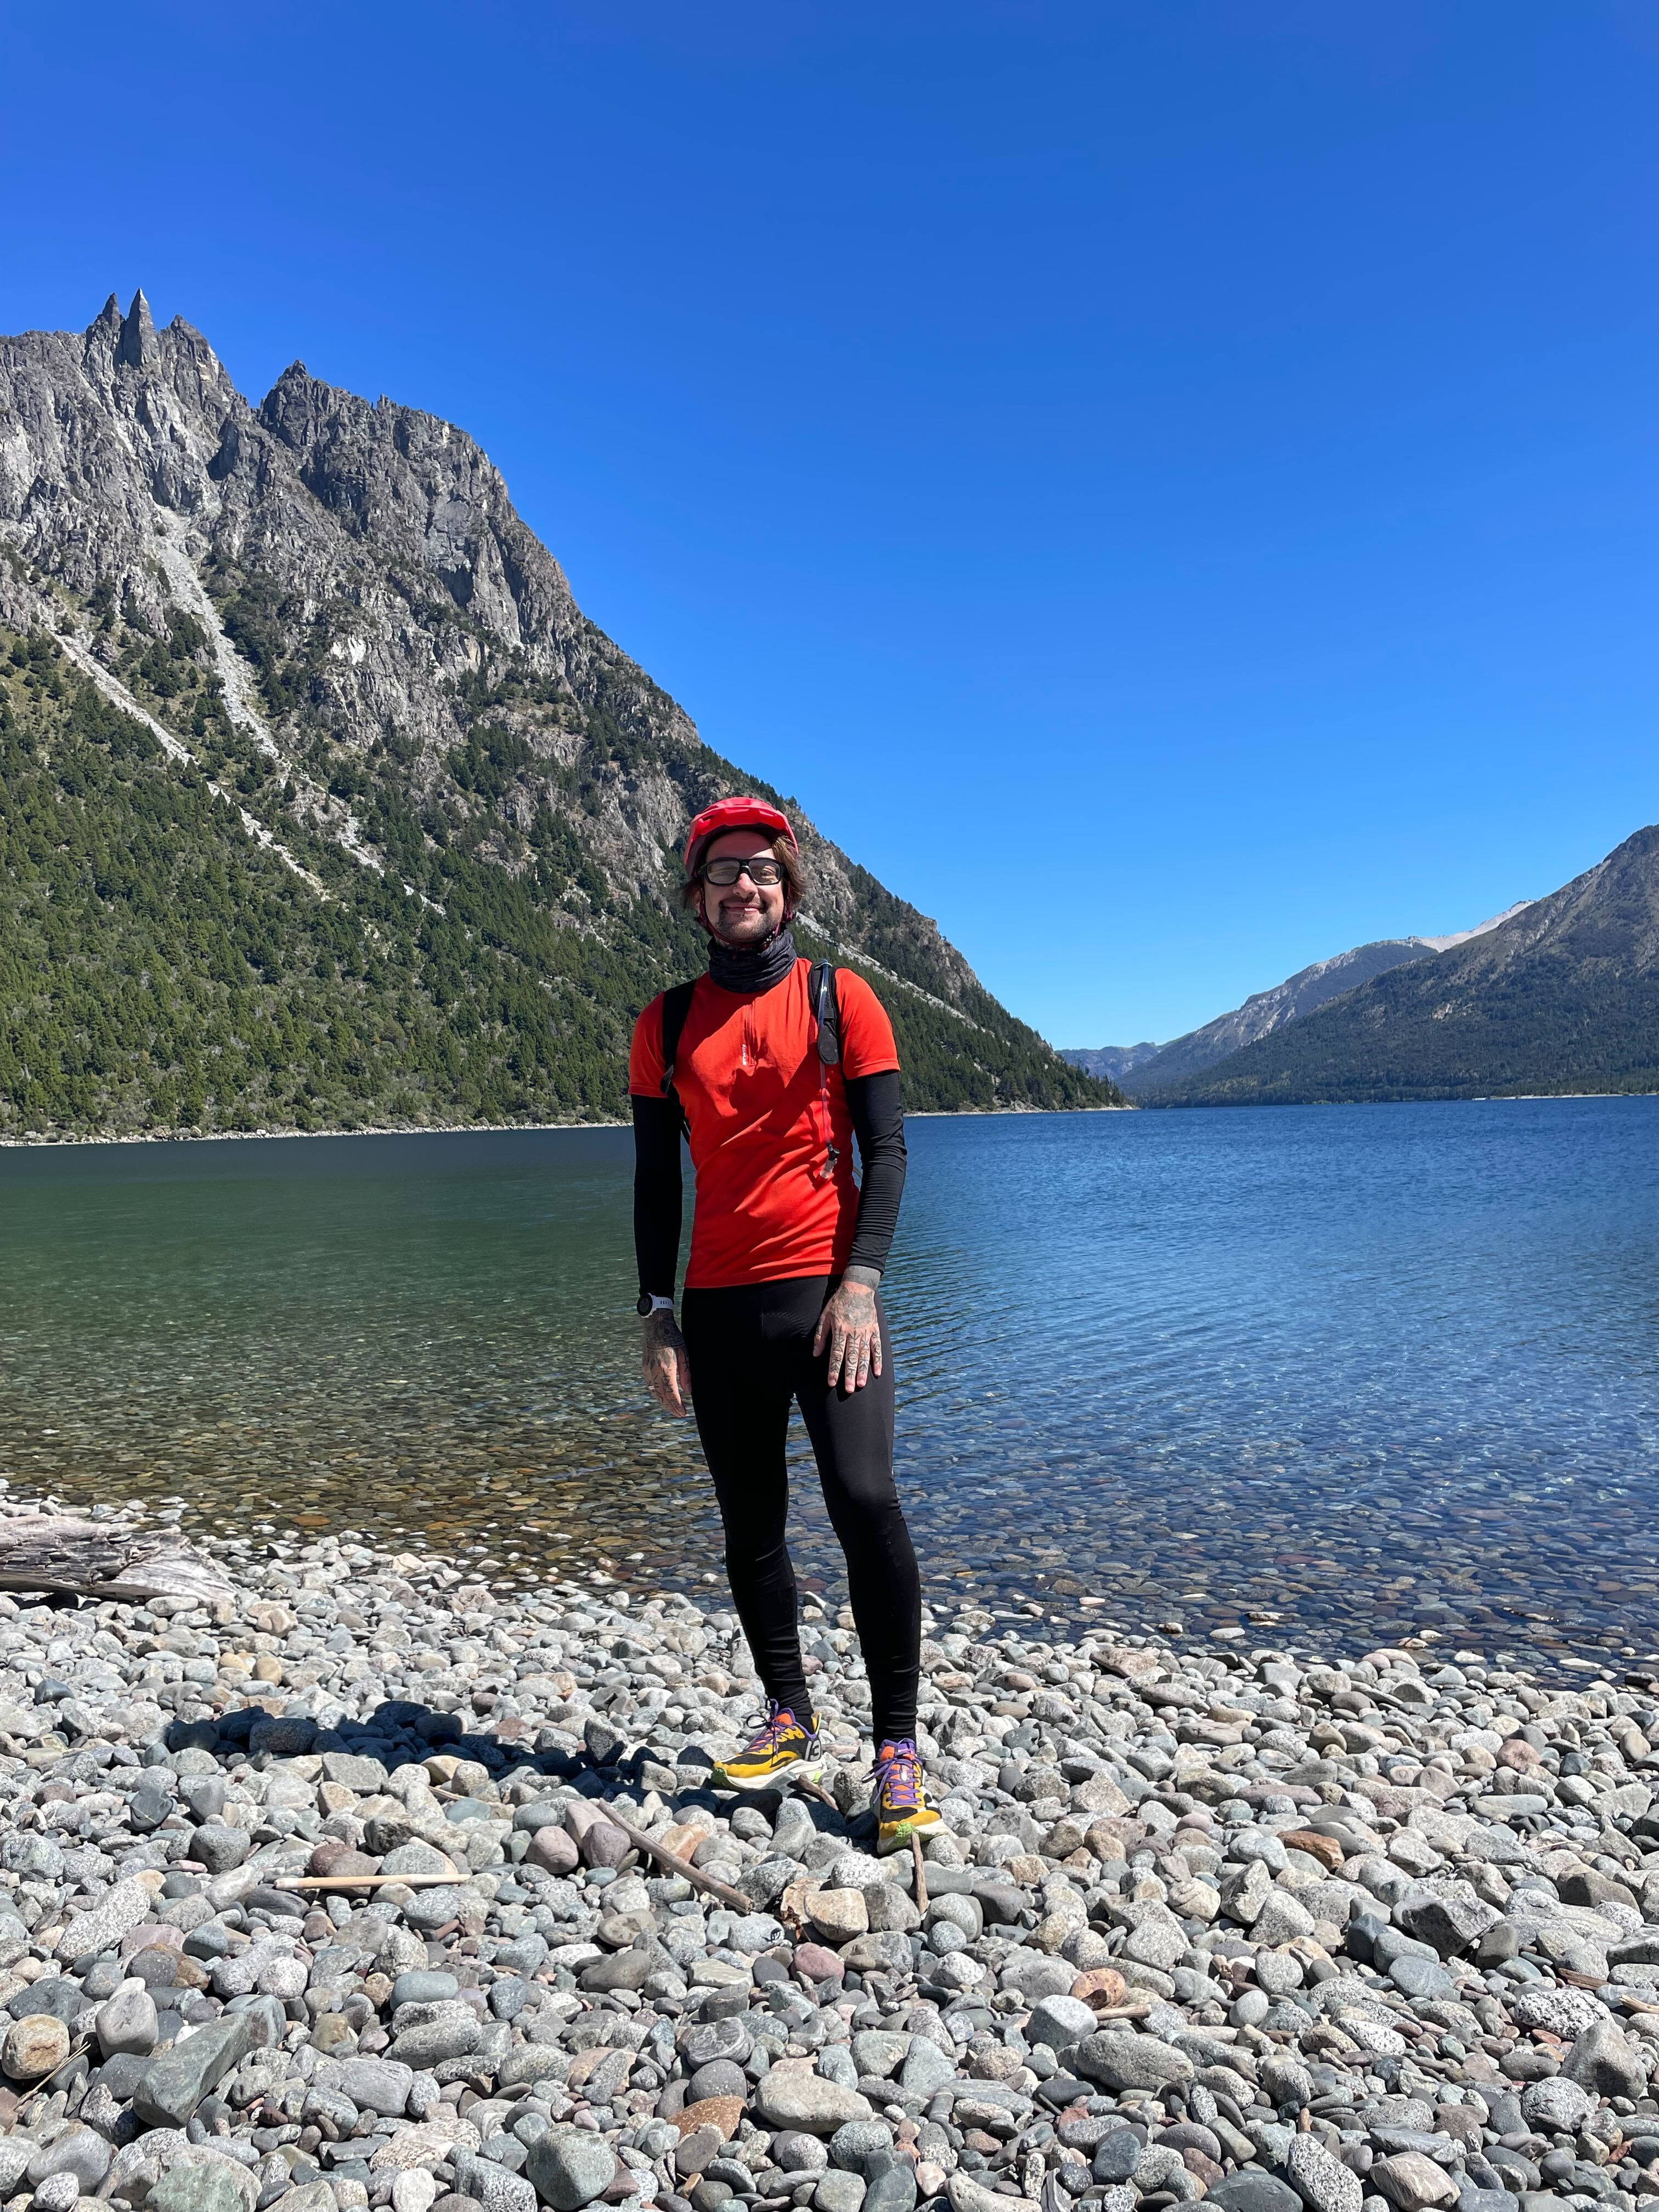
(62, 1142)
(473, 1128)
(1202, 1921)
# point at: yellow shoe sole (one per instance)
(894, 1838)
(811, 1769)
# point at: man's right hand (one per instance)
(664, 1363)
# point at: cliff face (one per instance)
(332, 613)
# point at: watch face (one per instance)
(643, 1307)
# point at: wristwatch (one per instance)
(647, 1303)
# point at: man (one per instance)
(781, 1300)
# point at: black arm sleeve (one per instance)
(657, 1193)
(878, 1114)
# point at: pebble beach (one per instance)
(337, 1892)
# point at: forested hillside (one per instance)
(161, 969)
(322, 803)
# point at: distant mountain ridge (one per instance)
(1562, 996)
(1111, 1062)
(1142, 1069)
(363, 819)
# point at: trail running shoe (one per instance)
(781, 1747)
(901, 1806)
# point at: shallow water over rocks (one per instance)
(1339, 1377)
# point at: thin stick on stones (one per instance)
(683, 1868)
(922, 1878)
(809, 1789)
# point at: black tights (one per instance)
(752, 1354)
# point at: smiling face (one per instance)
(743, 914)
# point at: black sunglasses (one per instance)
(762, 872)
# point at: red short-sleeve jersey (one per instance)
(747, 1075)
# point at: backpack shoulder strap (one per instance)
(823, 996)
(676, 1005)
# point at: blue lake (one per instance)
(1328, 1377)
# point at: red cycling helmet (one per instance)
(741, 813)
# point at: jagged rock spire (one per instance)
(137, 345)
(110, 320)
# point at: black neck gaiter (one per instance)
(757, 969)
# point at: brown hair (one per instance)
(794, 878)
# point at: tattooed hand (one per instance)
(851, 1328)
(664, 1362)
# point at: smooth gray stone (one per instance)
(838, 2191)
(206, 1795)
(837, 2064)
(541, 1813)
(176, 2081)
(493, 2186)
(352, 1770)
(452, 2030)
(1252, 2190)
(807, 2102)
(890, 2184)
(80, 2152)
(1035, 1976)
(625, 1970)
(1130, 2062)
(796, 2152)
(1449, 1920)
(127, 2023)
(1118, 2156)
(701, 2042)
(121, 2075)
(220, 1849)
(1061, 2022)
(1414, 1976)
(376, 2084)
(269, 2021)
(427, 1985)
(1605, 2060)
(523, 1956)
(435, 1907)
(148, 1807)
(720, 2077)
(54, 1994)
(1470, 2199)
(570, 2167)
(879, 2050)
(857, 2142)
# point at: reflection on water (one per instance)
(1331, 1376)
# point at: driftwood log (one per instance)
(105, 1559)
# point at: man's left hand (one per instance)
(851, 1328)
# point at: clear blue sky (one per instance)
(1170, 487)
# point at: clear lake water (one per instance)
(1310, 1377)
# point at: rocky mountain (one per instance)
(364, 820)
(1561, 996)
(1143, 1069)
(1108, 1063)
